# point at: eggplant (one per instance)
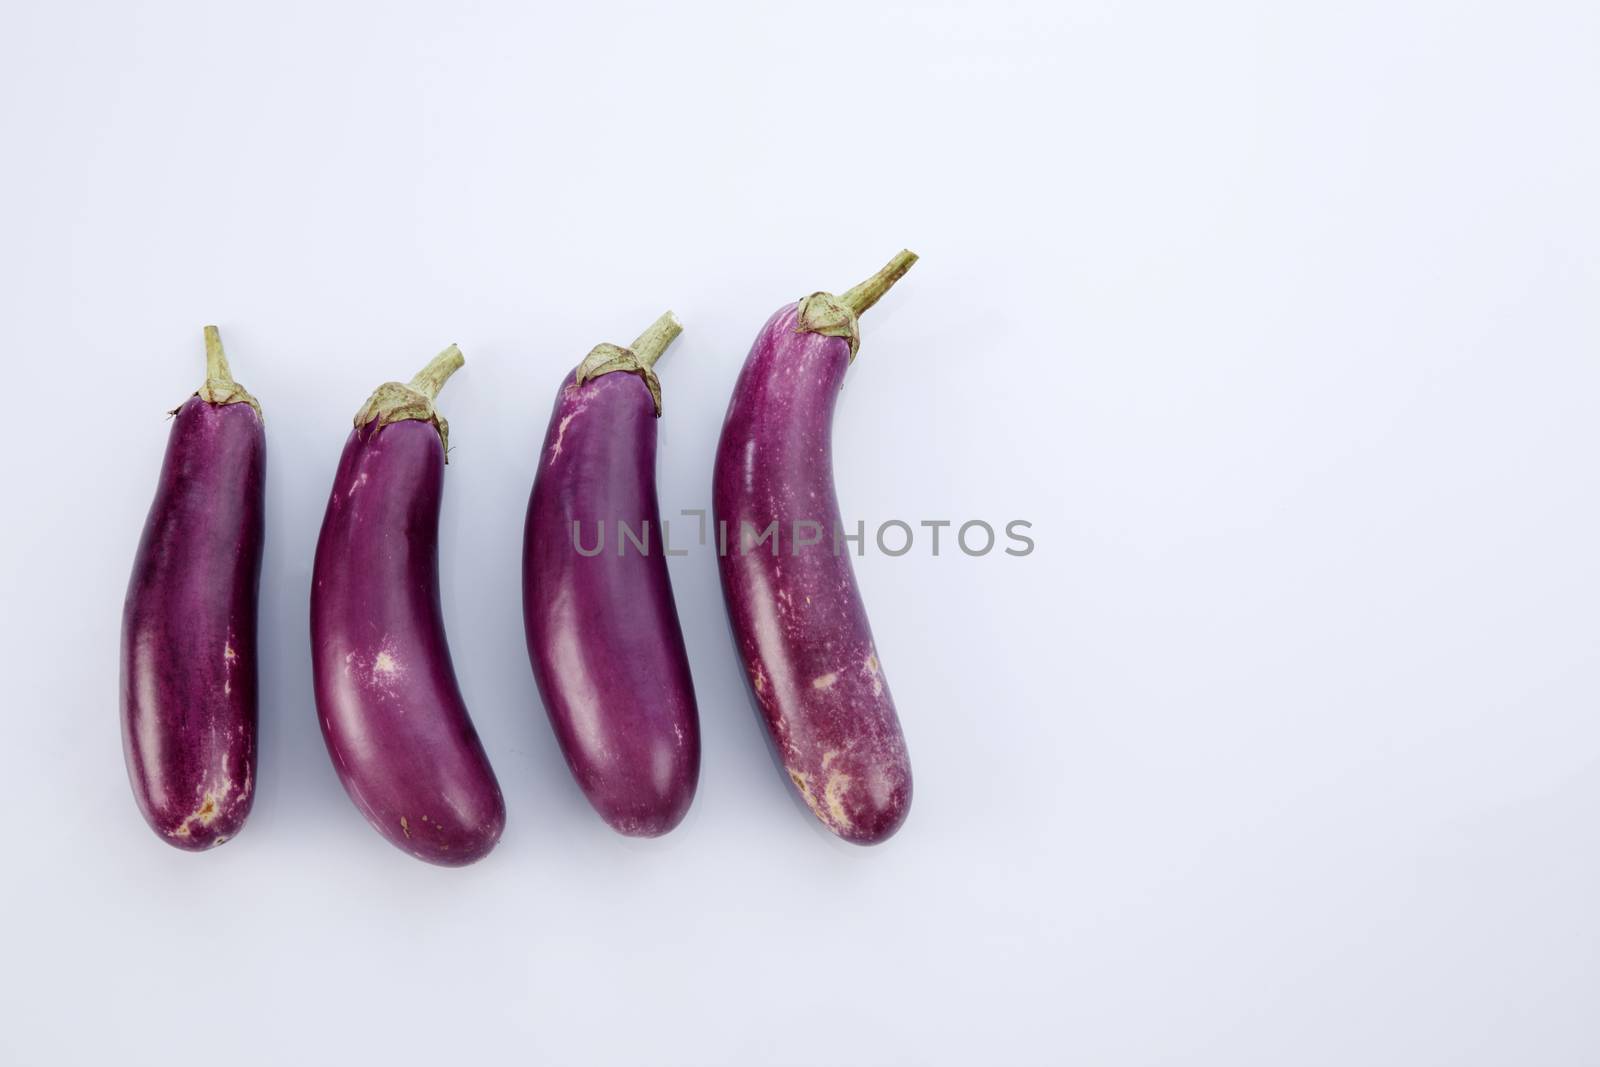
(396, 727)
(189, 673)
(602, 628)
(796, 614)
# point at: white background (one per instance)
(1280, 322)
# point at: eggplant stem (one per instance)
(869, 292)
(216, 358)
(431, 379)
(648, 346)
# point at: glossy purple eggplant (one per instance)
(797, 618)
(602, 628)
(189, 620)
(391, 711)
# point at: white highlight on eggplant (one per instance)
(573, 678)
(661, 763)
(149, 725)
(769, 641)
(881, 788)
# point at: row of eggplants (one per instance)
(603, 634)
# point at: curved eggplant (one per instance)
(392, 715)
(602, 627)
(189, 620)
(796, 614)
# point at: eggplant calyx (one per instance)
(639, 358)
(823, 313)
(839, 316)
(397, 402)
(219, 387)
(607, 359)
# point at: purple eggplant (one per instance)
(391, 711)
(602, 627)
(189, 620)
(796, 614)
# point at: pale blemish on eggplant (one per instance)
(825, 681)
(561, 433)
(870, 665)
(829, 806)
(833, 793)
(566, 420)
(381, 673)
(206, 812)
(802, 782)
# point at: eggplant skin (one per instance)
(396, 727)
(798, 623)
(603, 633)
(189, 670)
